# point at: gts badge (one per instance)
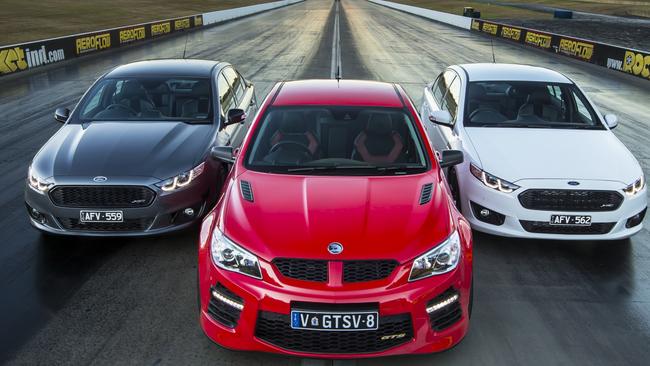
(393, 336)
(137, 202)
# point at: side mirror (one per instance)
(223, 153)
(235, 116)
(442, 118)
(611, 120)
(450, 158)
(61, 114)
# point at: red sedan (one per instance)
(336, 235)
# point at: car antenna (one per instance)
(338, 75)
(494, 60)
(185, 47)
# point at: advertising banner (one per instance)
(622, 59)
(21, 57)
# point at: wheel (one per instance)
(452, 180)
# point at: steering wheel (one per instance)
(121, 106)
(282, 144)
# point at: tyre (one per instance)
(452, 180)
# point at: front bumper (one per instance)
(164, 214)
(516, 216)
(405, 326)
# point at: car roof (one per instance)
(512, 72)
(338, 92)
(168, 67)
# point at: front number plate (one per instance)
(571, 220)
(335, 321)
(101, 216)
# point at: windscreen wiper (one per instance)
(390, 168)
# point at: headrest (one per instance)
(293, 122)
(476, 91)
(132, 88)
(539, 96)
(379, 124)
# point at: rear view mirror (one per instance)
(61, 114)
(442, 118)
(235, 116)
(450, 158)
(225, 154)
(611, 120)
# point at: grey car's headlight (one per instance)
(635, 187)
(232, 257)
(37, 183)
(491, 181)
(182, 179)
(441, 259)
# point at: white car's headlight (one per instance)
(232, 257)
(439, 260)
(37, 183)
(491, 181)
(635, 187)
(182, 179)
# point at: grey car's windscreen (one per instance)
(522, 104)
(151, 98)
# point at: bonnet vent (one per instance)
(425, 195)
(246, 190)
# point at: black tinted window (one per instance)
(528, 104)
(148, 99)
(337, 140)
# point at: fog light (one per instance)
(226, 300)
(486, 215)
(636, 219)
(36, 215)
(443, 303)
(189, 211)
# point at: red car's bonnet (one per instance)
(372, 217)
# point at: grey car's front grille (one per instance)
(128, 225)
(102, 196)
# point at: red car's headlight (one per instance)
(441, 259)
(232, 257)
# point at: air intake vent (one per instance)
(246, 190)
(425, 195)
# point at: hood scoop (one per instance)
(246, 190)
(425, 194)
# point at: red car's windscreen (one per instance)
(337, 140)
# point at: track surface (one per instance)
(124, 301)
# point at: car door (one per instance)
(234, 92)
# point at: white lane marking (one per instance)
(337, 68)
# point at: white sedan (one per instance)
(540, 159)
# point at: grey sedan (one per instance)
(134, 156)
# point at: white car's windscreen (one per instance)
(528, 104)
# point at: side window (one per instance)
(235, 81)
(439, 89)
(447, 92)
(226, 95)
(452, 97)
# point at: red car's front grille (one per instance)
(316, 270)
(274, 328)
